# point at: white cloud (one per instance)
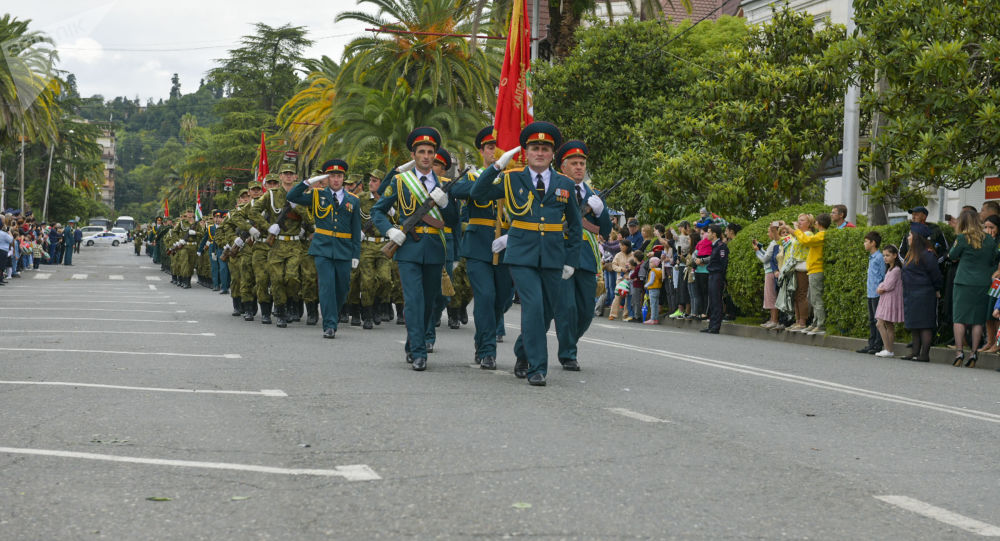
(85, 50)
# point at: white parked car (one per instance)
(121, 232)
(105, 238)
(88, 230)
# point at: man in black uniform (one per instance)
(718, 262)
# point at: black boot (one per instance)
(187, 283)
(313, 313)
(237, 307)
(253, 308)
(400, 318)
(344, 317)
(453, 318)
(375, 311)
(265, 313)
(281, 314)
(463, 314)
(355, 315)
(367, 313)
(249, 310)
(296, 310)
(173, 279)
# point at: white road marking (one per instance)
(82, 297)
(89, 301)
(963, 522)
(98, 319)
(264, 392)
(153, 278)
(60, 331)
(42, 276)
(115, 277)
(79, 277)
(354, 472)
(108, 352)
(636, 415)
(73, 309)
(151, 286)
(801, 380)
(636, 328)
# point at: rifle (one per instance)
(419, 216)
(585, 210)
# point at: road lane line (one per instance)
(950, 518)
(42, 276)
(277, 393)
(353, 472)
(79, 277)
(636, 415)
(82, 297)
(73, 309)
(801, 380)
(109, 352)
(153, 278)
(89, 301)
(115, 277)
(151, 286)
(60, 331)
(98, 319)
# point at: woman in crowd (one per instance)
(667, 261)
(620, 266)
(799, 254)
(922, 282)
(769, 259)
(890, 301)
(702, 251)
(682, 247)
(991, 226)
(609, 250)
(976, 254)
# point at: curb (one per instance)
(938, 355)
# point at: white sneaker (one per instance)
(817, 331)
(885, 353)
(766, 325)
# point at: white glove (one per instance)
(238, 242)
(406, 166)
(596, 204)
(567, 272)
(315, 179)
(439, 197)
(454, 265)
(355, 263)
(226, 247)
(397, 236)
(192, 232)
(503, 160)
(392, 211)
(274, 229)
(197, 254)
(499, 244)
(183, 243)
(254, 232)
(293, 205)
(302, 231)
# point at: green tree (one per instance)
(941, 97)
(28, 85)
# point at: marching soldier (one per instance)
(375, 270)
(211, 242)
(543, 245)
(442, 163)
(230, 253)
(248, 278)
(580, 290)
(421, 254)
(185, 248)
(352, 310)
(137, 237)
(491, 283)
(260, 251)
(336, 243)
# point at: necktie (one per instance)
(540, 186)
(579, 195)
(336, 202)
(423, 180)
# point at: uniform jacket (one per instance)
(343, 218)
(591, 255)
(535, 248)
(477, 239)
(428, 248)
(718, 262)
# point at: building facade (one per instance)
(110, 158)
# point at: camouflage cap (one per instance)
(353, 178)
(287, 168)
(271, 177)
(377, 173)
(253, 184)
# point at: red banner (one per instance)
(514, 109)
(992, 188)
(166, 208)
(262, 169)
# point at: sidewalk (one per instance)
(938, 355)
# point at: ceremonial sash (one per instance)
(419, 192)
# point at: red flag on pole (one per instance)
(514, 108)
(262, 169)
(166, 207)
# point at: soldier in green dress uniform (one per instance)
(543, 245)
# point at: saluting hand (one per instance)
(503, 160)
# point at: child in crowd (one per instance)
(637, 289)
(653, 287)
(876, 273)
(890, 302)
(769, 259)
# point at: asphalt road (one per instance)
(665, 434)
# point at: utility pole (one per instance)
(852, 121)
(48, 178)
(3, 186)
(22, 169)
(534, 31)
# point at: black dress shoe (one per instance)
(710, 331)
(908, 357)
(488, 363)
(570, 364)
(864, 350)
(430, 347)
(537, 379)
(329, 333)
(420, 364)
(521, 368)
(409, 358)
(499, 338)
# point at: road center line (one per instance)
(354, 472)
(801, 380)
(73, 309)
(264, 392)
(153, 278)
(963, 522)
(636, 415)
(82, 297)
(151, 286)
(89, 301)
(116, 277)
(109, 352)
(62, 331)
(79, 277)
(98, 319)
(42, 276)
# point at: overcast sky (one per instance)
(131, 48)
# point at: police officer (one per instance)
(717, 263)
(491, 284)
(581, 289)
(336, 243)
(421, 257)
(543, 245)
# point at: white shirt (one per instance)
(431, 180)
(339, 194)
(546, 176)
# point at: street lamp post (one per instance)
(852, 121)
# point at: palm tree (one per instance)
(307, 118)
(28, 87)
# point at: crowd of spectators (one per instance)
(26, 244)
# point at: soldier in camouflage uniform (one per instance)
(137, 237)
(185, 248)
(227, 237)
(374, 274)
(248, 278)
